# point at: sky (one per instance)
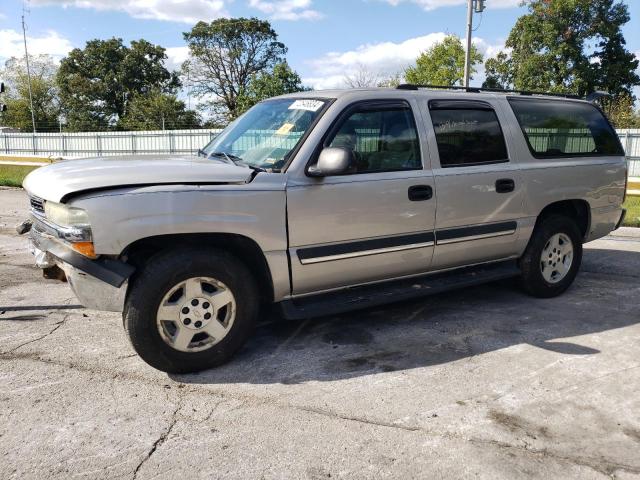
(327, 39)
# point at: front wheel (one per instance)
(190, 310)
(552, 258)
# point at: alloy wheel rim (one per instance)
(196, 314)
(556, 258)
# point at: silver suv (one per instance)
(330, 201)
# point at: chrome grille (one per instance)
(37, 205)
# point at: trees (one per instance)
(622, 113)
(226, 56)
(362, 77)
(97, 83)
(46, 107)
(443, 63)
(158, 111)
(567, 46)
(281, 80)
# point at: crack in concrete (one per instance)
(368, 421)
(56, 327)
(161, 439)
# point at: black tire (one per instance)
(161, 274)
(533, 282)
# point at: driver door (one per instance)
(377, 221)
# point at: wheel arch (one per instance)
(242, 247)
(576, 209)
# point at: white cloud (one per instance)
(187, 11)
(287, 9)
(433, 4)
(176, 57)
(51, 43)
(383, 60)
(386, 58)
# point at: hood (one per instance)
(54, 182)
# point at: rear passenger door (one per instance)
(479, 188)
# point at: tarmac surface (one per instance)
(481, 383)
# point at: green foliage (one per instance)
(97, 83)
(632, 219)
(13, 175)
(443, 64)
(226, 56)
(567, 46)
(45, 96)
(621, 111)
(158, 111)
(498, 71)
(268, 84)
(391, 81)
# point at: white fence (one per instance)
(630, 139)
(173, 141)
(106, 143)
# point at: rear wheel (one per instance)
(191, 310)
(552, 258)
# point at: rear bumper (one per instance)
(622, 215)
(99, 284)
(604, 220)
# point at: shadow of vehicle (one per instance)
(435, 330)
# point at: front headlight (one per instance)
(65, 216)
(73, 226)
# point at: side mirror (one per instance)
(332, 161)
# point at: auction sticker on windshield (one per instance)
(311, 105)
(285, 129)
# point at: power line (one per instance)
(26, 57)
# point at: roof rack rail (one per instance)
(411, 86)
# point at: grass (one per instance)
(633, 212)
(19, 158)
(13, 175)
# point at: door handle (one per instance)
(418, 193)
(505, 185)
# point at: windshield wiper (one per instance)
(252, 167)
(236, 160)
(229, 157)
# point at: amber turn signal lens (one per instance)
(84, 248)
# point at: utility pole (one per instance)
(478, 6)
(3, 107)
(26, 57)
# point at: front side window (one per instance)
(265, 136)
(556, 128)
(467, 134)
(382, 140)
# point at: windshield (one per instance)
(266, 135)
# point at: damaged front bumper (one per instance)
(99, 284)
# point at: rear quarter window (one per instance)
(467, 133)
(555, 128)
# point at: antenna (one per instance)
(26, 57)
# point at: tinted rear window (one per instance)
(467, 135)
(565, 129)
